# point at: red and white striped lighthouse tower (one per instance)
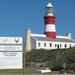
(49, 18)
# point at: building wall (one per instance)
(46, 45)
(33, 43)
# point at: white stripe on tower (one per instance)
(50, 30)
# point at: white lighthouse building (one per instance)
(49, 40)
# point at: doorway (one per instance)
(58, 46)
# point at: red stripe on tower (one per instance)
(50, 30)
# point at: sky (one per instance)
(18, 15)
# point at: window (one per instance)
(44, 44)
(55, 45)
(60, 45)
(70, 46)
(65, 45)
(50, 44)
(49, 9)
(39, 44)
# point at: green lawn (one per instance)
(27, 70)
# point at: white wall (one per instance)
(33, 43)
(53, 45)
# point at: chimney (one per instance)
(28, 40)
(68, 35)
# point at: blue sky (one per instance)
(18, 15)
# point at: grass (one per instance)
(11, 71)
(27, 70)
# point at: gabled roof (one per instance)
(58, 39)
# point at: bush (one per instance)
(41, 65)
(62, 71)
(74, 69)
(27, 64)
(55, 58)
(70, 72)
(56, 68)
(32, 64)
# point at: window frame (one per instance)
(39, 44)
(44, 44)
(50, 44)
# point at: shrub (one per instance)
(74, 69)
(41, 65)
(32, 64)
(70, 72)
(62, 71)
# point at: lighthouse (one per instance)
(49, 20)
(49, 40)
